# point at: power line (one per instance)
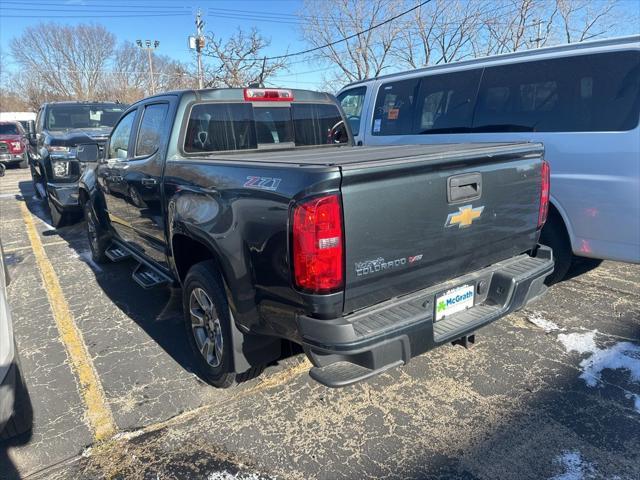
(106, 15)
(330, 44)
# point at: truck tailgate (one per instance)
(414, 222)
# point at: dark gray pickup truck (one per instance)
(279, 230)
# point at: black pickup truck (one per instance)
(278, 229)
(60, 128)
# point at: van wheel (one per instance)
(208, 324)
(554, 235)
(98, 237)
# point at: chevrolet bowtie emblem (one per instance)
(464, 217)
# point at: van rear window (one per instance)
(582, 93)
(215, 127)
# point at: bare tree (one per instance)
(441, 31)
(67, 60)
(366, 55)
(585, 19)
(129, 79)
(238, 60)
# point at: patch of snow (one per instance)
(224, 475)
(574, 467)
(622, 355)
(579, 342)
(546, 325)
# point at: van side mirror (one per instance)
(88, 152)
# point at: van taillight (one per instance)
(318, 245)
(544, 194)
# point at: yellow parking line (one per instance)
(18, 249)
(98, 412)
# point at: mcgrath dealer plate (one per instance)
(455, 300)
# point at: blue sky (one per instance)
(170, 22)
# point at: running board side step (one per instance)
(116, 253)
(341, 374)
(148, 277)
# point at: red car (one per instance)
(13, 144)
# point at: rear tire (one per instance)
(98, 237)
(554, 235)
(22, 419)
(208, 324)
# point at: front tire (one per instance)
(36, 180)
(58, 218)
(98, 237)
(208, 324)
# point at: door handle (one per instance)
(464, 187)
(149, 182)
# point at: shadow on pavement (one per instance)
(157, 311)
(19, 427)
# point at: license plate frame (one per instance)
(452, 304)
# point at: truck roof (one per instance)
(84, 102)
(237, 94)
(357, 156)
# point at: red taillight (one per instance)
(544, 194)
(318, 245)
(267, 95)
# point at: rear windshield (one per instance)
(9, 129)
(66, 117)
(215, 127)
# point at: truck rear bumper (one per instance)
(352, 348)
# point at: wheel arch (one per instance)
(186, 251)
(560, 213)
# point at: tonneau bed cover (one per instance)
(345, 156)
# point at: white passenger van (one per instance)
(581, 100)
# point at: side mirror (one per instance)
(31, 132)
(88, 153)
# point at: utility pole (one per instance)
(149, 46)
(538, 38)
(199, 47)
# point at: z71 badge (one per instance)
(464, 217)
(263, 183)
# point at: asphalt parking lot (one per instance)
(549, 392)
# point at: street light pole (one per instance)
(148, 46)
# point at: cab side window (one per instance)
(119, 142)
(150, 132)
(395, 108)
(352, 102)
